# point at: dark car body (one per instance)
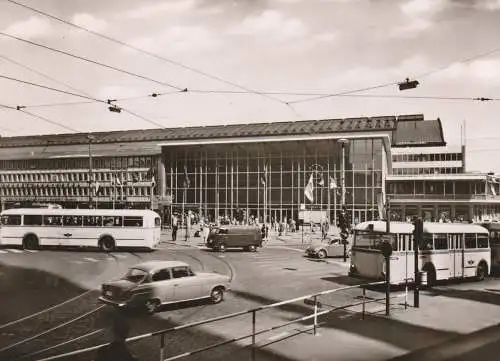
(246, 237)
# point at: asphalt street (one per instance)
(35, 280)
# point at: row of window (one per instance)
(436, 170)
(438, 241)
(71, 221)
(432, 157)
(100, 176)
(80, 163)
(75, 192)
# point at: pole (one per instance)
(343, 174)
(253, 335)
(162, 347)
(387, 285)
(388, 215)
(416, 241)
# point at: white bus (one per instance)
(447, 251)
(107, 229)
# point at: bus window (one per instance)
(11, 220)
(132, 221)
(440, 241)
(470, 240)
(482, 241)
(32, 220)
(426, 242)
(72, 221)
(52, 220)
(92, 221)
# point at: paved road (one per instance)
(272, 274)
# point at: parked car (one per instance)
(151, 284)
(327, 248)
(246, 237)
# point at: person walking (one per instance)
(117, 349)
(175, 222)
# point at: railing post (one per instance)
(315, 314)
(162, 347)
(253, 334)
(364, 300)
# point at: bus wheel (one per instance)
(30, 242)
(481, 272)
(252, 248)
(107, 244)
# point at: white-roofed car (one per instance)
(151, 284)
(331, 246)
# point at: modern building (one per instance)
(272, 171)
(431, 182)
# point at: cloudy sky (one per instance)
(252, 46)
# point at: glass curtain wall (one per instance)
(249, 182)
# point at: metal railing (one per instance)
(311, 299)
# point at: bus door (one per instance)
(456, 255)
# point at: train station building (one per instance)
(271, 171)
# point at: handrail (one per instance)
(219, 318)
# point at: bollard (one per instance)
(162, 347)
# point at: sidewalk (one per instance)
(443, 328)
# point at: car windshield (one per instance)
(135, 275)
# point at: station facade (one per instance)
(273, 171)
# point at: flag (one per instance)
(333, 183)
(153, 181)
(187, 182)
(96, 187)
(263, 178)
(118, 181)
(308, 191)
(492, 187)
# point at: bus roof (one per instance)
(80, 212)
(429, 227)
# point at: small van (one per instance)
(246, 237)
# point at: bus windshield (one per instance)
(372, 240)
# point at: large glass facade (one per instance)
(241, 181)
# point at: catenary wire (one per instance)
(95, 62)
(73, 94)
(24, 66)
(156, 56)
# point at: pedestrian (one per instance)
(174, 227)
(117, 349)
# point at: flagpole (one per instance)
(335, 195)
(329, 190)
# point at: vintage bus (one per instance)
(494, 231)
(107, 229)
(447, 251)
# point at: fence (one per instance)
(311, 299)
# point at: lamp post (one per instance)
(343, 216)
(90, 137)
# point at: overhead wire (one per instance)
(151, 54)
(109, 101)
(95, 62)
(24, 66)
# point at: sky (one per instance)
(214, 48)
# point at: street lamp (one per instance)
(90, 137)
(343, 215)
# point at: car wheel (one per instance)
(252, 248)
(481, 272)
(217, 295)
(321, 254)
(107, 244)
(151, 306)
(222, 247)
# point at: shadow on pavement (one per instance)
(400, 334)
(31, 290)
(471, 295)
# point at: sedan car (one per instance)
(151, 284)
(327, 248)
